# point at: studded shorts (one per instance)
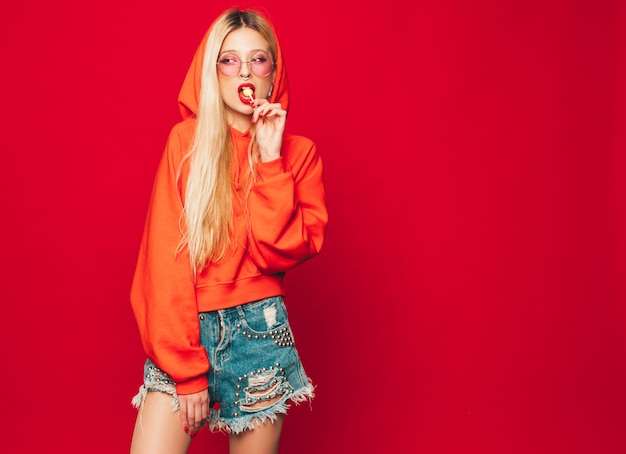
(255, 368)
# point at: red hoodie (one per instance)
(287, 220)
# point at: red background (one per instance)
(470, 296)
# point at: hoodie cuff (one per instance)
(270, 169)
(192, 386)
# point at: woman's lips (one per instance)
(246, 94)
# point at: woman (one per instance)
(236, 203)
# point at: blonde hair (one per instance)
(208, 210)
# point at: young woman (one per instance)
(236, 203)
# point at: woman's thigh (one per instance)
(158, 429)
(263, 439)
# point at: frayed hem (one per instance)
(235, 426)
(138, 400)
(303, 394)
(140, 397)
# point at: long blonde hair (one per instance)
(208, 210)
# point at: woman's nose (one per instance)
(244, 71)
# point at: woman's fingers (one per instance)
(200, 417)
(267, 110)
(183, 414)
(270, 121)
(194, 410)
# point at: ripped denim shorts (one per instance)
(255, 368)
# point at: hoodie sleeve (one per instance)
(287, 207)
(163, 293)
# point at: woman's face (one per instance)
(244, 66)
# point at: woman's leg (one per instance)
(158, 429)
(262, 440)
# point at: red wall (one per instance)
(470, 296)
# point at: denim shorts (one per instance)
(253, 360)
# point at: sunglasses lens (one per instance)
(261, 65)
(229, 65)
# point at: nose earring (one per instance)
(245, 78)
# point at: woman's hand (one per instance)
(194, 411)
(270, 125)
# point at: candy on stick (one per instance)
(248, 93)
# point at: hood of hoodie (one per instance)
(190, 91)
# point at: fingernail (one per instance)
(186, 429)
(192, 433)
